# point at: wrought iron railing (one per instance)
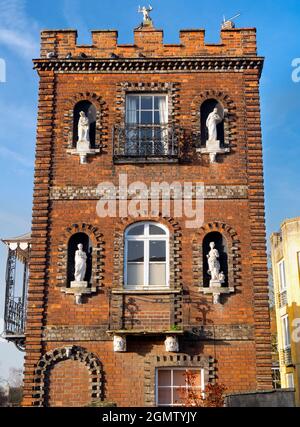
(15, 306)
(283, 298)
(286, 357)
(146, 141)
(15, 317)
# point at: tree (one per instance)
(212, 397)
(15, 380)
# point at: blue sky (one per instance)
(278, 24)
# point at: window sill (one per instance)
(134, 160)
(145, 291)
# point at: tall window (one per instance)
(290, 380)
(172, 384)
(282, 277)
(286, 332)
(146, 256)
(146, 125)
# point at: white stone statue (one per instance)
(83, 128)
(146, 13)
(80, 264)
(211, 123)
(213, 263)
(120, 345)
(172, 344)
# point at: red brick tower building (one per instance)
(154, 299)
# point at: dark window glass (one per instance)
(157, 251)
(135, 251)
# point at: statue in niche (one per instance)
(80, 264)
(213, 263)
(146, 13)
(212, 121)
(83, 128)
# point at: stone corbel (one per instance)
(172, 344)
(213, 148)
(216, 291)
(79, 289)
(120, 344)
(83, 152)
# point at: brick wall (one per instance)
(235, 334)
(69, 385)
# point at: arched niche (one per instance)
(91, 112)
(206, 108)
(221, 246)
(73, 243)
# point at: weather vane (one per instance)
(228, 23)
(147, 20)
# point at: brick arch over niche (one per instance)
(101, 115)
(97, 243)
(73, 353)
(229, 106)
(233, 248)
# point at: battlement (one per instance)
(148, 42)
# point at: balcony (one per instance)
(16, 284)
(286, 357)
(145, 143)
(283, 299)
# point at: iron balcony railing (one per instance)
(286, 357)
(15, 317)
(283, 298)
(145, 141)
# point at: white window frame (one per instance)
(146, 238)
(286, 332)
(282, 276)
(172, 387)
(287, 379)
(140, 110)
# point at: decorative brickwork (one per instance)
(258, 231)
(90, 193)
(234, 257)
(237, 332)
(118, 301)
(229, 117)
(97, 254)
(47, 362)
(172, 361)
(101, 127)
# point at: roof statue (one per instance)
(147, 20)
(227, 24)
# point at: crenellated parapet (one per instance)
(149, 43)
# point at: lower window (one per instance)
(174, 386)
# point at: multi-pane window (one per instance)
(282, 277)
(290, 380)
(147, 124)
(146, 256)
(276, 381)
(286, 332)
(173, 386)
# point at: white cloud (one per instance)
(8, 154)
(18, 32)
